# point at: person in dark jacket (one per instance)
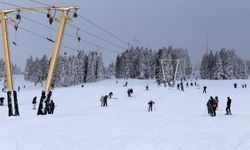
(228, 108)
(147, 87)
(110, 95)
(210, 106)
(105, 101)
(178, 86)
(150, 105)
(34, 102)
(235, 85)
(1, 101)
(204, 89)
(129, 93)
(52, 107)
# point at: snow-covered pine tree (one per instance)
(218, 68)
(227, 63)
(28, 69)
(91, 68)
(99, 68)
(118, 67)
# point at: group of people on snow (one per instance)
(213, 103)
(49, 105)
(130, 92)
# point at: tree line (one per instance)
(138, 63)
(224, 64)
(71, 70)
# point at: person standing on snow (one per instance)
(52, 107)
(105, 101)
(34, 102)
(150, 105)
(204, 89)
(216, 99)
(210, 106)
(228, 108)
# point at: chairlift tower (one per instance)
(4, 19)
(176, 68)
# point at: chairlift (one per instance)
(77, 35)
(18, 17)
(51, 19)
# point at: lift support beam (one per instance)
(12, 101)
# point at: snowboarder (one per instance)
(235, 85)
(34, 103)
(51, 107)
(110, 95)
(150, 105)
(105, 101)
(204, 89)
(228, 108)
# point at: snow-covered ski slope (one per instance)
(179, 122)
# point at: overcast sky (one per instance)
(148, 23)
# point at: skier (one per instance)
(34, 103)
(187, 84)
(105, 101)
(150, 105)
(129, 93)
(178, 86)
(147, 87)
(110, 95)
(51, 107)
(204, 89)
(228, 108)
(235, 85)
(126, 84)
(18, 88)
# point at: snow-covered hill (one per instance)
(179, 122)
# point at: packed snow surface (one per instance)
(178, 122)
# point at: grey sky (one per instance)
(148, 23)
